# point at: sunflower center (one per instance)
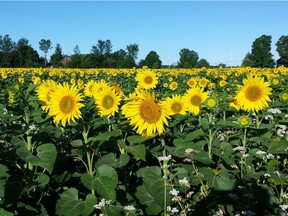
(148, 80)
(176, 107)
(196, 100)
(67, 104)
(150, 111)
(108, 102)
(253, 93)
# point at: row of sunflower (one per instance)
(144, 142)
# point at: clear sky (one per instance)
(219, 31)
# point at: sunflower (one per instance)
(147, 115)
(43, 92)
(146, 79)
(175, 105)
(65, 104)
(244, 120)
(192, 82)
(107, 101)
(254, 94)
(173, 86)
(203, 82)
(195, 96)
(211, 102)
(98, 86)
(234, 104)
(88, 88)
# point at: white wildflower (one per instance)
(129, 208)
(274, 111)
(165, 158)
(260, 152)
(184, 182)
(267, 175)
(174, 192)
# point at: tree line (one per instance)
(22, 54)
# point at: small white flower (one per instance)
(165, 158)
(267, 175)
(174, 192)
(248, 213)
(283, 207)
(260, 152)
(174, 210)
(129, 208)
(274, 111)
(285, 196)
(184, 182)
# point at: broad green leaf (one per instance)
(150, 174)
(104, 182)
(47, 154)
(111, 160)
(138, 151)
(69, 204)
(76, 143)
(4, 176)
(90, 201)
(105, 136)
(42, 179)
(5, 213)
(223, 182)
(153, 195)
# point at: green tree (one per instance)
(152, 60)
(57, 56)
(45, 46)
(282, 49)
(133, 50)
(202, 63)
(76, 59)
(247, 61)
(261, 55)
(7, 44)
(188, 58)
(26, 55)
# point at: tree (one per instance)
(7, 44)
(57, 56)
(261, 55)
(133, 50)
(188, 58)
(152, 60)
(202, 63)
(247, 61)
(26, 55)
(76, 50)
(282, 49)
(45, 46)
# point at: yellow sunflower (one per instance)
(146, 79)
(175, 105)
(43, 92)
(194, 97)
(203, 82)
(253, 95)
(65, 104)
(98, 86)
(173, 86)
(107, 102)
(147, 115)
(211, 102)
(89, 87)
(192, 82)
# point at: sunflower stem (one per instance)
(89, 157)
(28, 140)
(210, 140)
(165, 163)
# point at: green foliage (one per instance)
(188, 58)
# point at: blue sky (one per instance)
(219, 31)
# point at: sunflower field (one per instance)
(144, 141)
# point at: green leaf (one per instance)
(150, 174)
(223, 182)
(152, 195)
(69, 204)
(138, 151)
(47, 154)
(111, 160)
(105, 136)
(42, 179)
(90, 201)
(104, 182)
(5, 213)
(193, 135)
(4, 176)
(76, 143)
